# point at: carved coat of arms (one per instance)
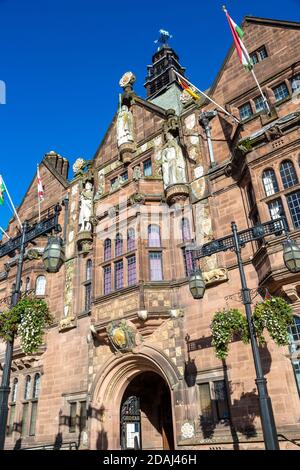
(121, 335)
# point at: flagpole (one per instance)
(12, 204)
(39, 201)
(261, 92)
(265, 101)
(207, 97)
(6, 234)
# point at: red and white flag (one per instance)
(40, 186)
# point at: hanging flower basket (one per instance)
(28, 320)
(274, 315)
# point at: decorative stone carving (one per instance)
(101, 185)
(173, 162)
(172, 123)
(215, 275)
(177, 194)
(187, 430)
(67, 323)
(137, 198)
(86, 199)
(176, 313)
(142, 314)
(137, 173)
(127, 79)
(68, 300)
(121, 335)
(84, 242)
(185, 98)
(78, 165)
(275, 132)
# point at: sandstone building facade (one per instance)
(129, 359)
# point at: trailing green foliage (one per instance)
(225, 325)
(27, 320)
(274, 315)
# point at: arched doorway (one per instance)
(146, 414)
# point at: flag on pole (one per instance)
(188, 89)
(238, 35)
(2, 191)
(40, 186)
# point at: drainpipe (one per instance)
(65, 203)
(204, 120)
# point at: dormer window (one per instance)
(259, 55)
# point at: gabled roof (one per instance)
(257, 20)
(54, 172)
(137, 99)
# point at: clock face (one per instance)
(127, 78)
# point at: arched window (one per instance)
(270, 182)
(40, 285)
(27, 387)
(154, 235)
(89, 266)
(36, 386)
(288, 174)
(185, 230)
(14, 391)
(119, 244)
(107, 249)
(130, 239)
(27, 287)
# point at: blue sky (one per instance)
(61, 61)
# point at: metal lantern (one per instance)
(197, 284)
(291, 255)
(54, 254)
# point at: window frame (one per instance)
(38, 294)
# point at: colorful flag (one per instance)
(2, 191)
(188, 89)
(40, 186)
(238, 34)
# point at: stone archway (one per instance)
(146, 414)
(109, 388)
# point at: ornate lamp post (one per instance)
(53, 259)
(291, 255)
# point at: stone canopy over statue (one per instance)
(124, 126)
(173, 162)
(85, 213)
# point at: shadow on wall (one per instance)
(242, 411)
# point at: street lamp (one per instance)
(52, 260)
(54, 255)
(197, 284)
(291, 256)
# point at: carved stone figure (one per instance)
(124, 126)
(101, 186)
(215, 275)
(137, 173)
(85, 213)
(173, 162)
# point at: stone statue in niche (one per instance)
(85, 213)
(124, 126)
(173, 162)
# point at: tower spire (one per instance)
(161, 72)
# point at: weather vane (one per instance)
(163, 38)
